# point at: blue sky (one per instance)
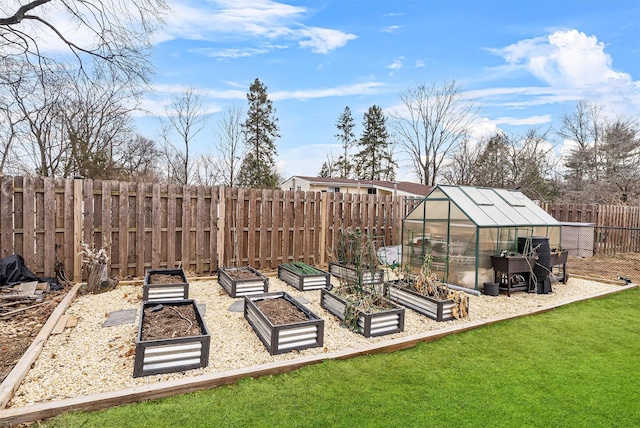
(525, 62)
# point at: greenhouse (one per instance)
(461, 227)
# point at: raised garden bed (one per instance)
(439, 310)
(165, 284)
(282, 323)
(303, 276)
(242, 281)
(384, 321)
(172, 337)
(350, 274)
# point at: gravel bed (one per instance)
(89, 359)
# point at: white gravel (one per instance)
(89, 359)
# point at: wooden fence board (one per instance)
(28, 248)
(49, 226)
(6, 216)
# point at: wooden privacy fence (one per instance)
(162, 225)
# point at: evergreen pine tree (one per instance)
(375, 161)
(345, 125)
(260, 130)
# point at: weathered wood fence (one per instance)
(198, 227)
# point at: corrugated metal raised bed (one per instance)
(303, 276)
(379, 323)
(169, 355)
(242, 281)
(173, 285)
(349, 274)
(281, 338)
(439, 310)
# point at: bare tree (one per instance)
(109, 37)
(331, 168)
(584, 128)
(186, 118)
(36, 98)
(462, 168)
(531, 166)
(97, 122)
(137, 159)
(229, 145)
(620, 162)
(434, 121)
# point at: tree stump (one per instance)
(98, 281)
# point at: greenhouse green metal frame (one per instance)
(461, 227)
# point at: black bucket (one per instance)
(542, 267)
(491, 288)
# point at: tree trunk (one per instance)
(98, 281)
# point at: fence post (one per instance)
(324, 207)
(222, 210)
(77, 227)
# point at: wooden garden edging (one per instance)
(12, 416)
(19, 371)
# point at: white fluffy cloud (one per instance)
(563, 59)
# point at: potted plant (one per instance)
(242, 281)
(425, 294)
(358, 302)
(282, 323)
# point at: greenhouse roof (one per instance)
(490, 207)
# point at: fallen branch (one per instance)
(7, 315)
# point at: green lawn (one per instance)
(576, 366)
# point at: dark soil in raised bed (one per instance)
(280, 311)
(169, 322)
(165, 278)
(241, 274)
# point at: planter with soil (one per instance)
(383, 317)
(242, 281)
(165, 284)
(437, 309)
(303, 276)
(282, 323)
(172, 337)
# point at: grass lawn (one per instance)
(576, 366)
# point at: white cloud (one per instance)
(229, 53)
(522, 121)
(366, 88)
(323, 40)
(419, 63)
(252, 20)
(396, 64)
(390, 29)
(563, 59)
